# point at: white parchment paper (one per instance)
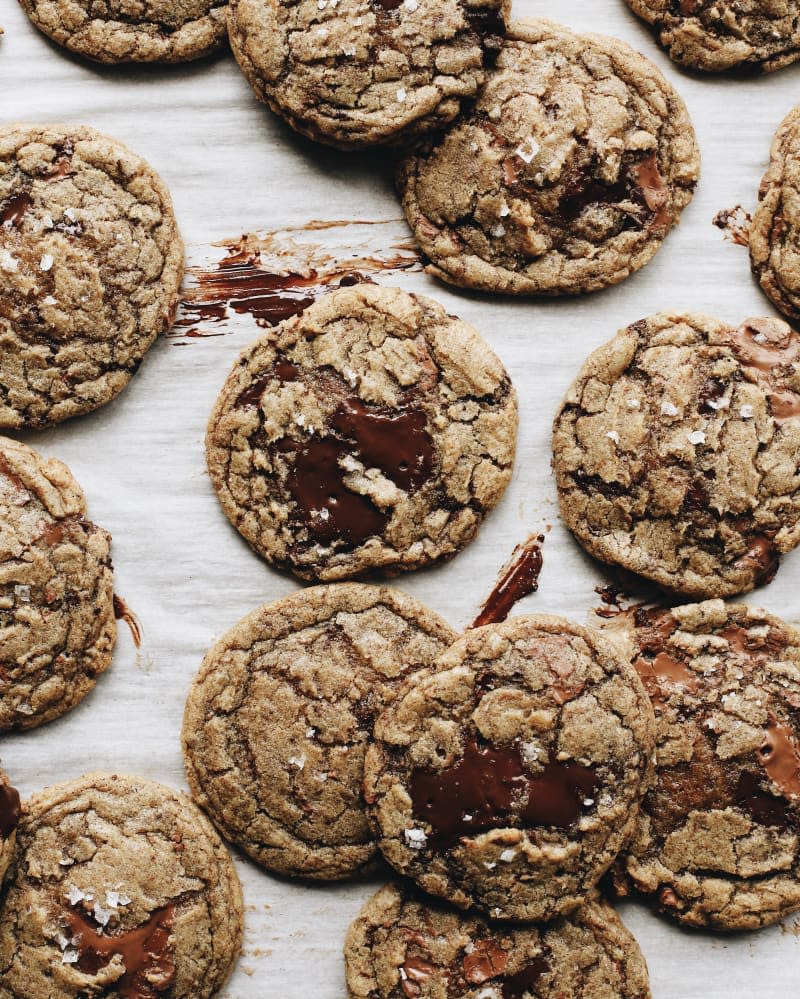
(232, 167)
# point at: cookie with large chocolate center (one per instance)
(675, 452)
(90, 265)
(509, 778)
(120, 888)
(116, 31)
(354, 73)
(716, 843)
(371, 432)
(774, 235)
(279, 716)
(565, 176)
(719, 35)
(56, 590)
(403, 946)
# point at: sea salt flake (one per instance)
(505, 210)
(297, 761)
(469, 948)
(760, 338)
(48, 300)
(75, 895)
(507, 856)
(613, 435)
(719, 403)
(668, 409)
(410, 5)
(25, 709)
(632, 403)
(415, 838)
(494, 113)
(22, 593)
(69, 213)
(746, 412)
(490, 864)
(311, 732)
(401, 95)
(46, 262)
(8, 263)
(696, 437)
(324, 514)
(70, 956)
(101, 914)
(528, 149)
(588, 802)
(498, 231)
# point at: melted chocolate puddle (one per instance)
(489, 786)
(271, 278)
(122, 612)
(518, 579)
(146, 952)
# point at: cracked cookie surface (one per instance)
(675, 452)
(117, 31)
(91, 261)
(403, 946)
(716, 842)
(572, 167)
(510, 777)
(371, 432)
(56, 590)
(354, 73)
(719, 35)
(774, 234)
(278, 718)
(120, 888)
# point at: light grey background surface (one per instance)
(232, 167)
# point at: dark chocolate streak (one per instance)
(517, 580)
(9, 810)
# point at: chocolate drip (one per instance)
(14, 208)
(517, 580)
(489, 786)
(9, 810)
(146, 952)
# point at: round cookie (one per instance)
(675, 452)
(371, 432)
(774, 235)
(10, 810)
(509, 778)
(56, 590)
(402, 946)
(278, 718)
(90, 260)
(356, 73)
(718, 35)
(716, 842)
(121, 887)
(117, 31)
(565, 177)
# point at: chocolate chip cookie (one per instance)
(675, 452)
(716, 842)
(371, 432)
(718, 35)
(120, 888)
(403, 946)
(10, 811)
(56, 590)
(278, 719)
(90, 265)
(572, 167)
(355, 73)
(509, 778)
(774, 235)
(117, 31)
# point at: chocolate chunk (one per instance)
(13, 209)
(9, 810)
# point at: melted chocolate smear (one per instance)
(779, 757)
(13, 209)
(764, 809)
(9, 810)
(643, 185)
(283, 371)
(518, 579)
(525, 981)
(329, 510)
(735, 224)
(762, 559)
(775, 350)
(146, 952)
(122, 612)
(396, 442)
(488, 787)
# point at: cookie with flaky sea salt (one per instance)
(404, 946)
(716, 842)
(566, 175)
(719, 35)
(90, 265)
(675, 452)
(56, 590)
(120, 888)
(509, 777)
(278, 719)
(774, 235)
(373, 432)
(355, 73)
(116, 31)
